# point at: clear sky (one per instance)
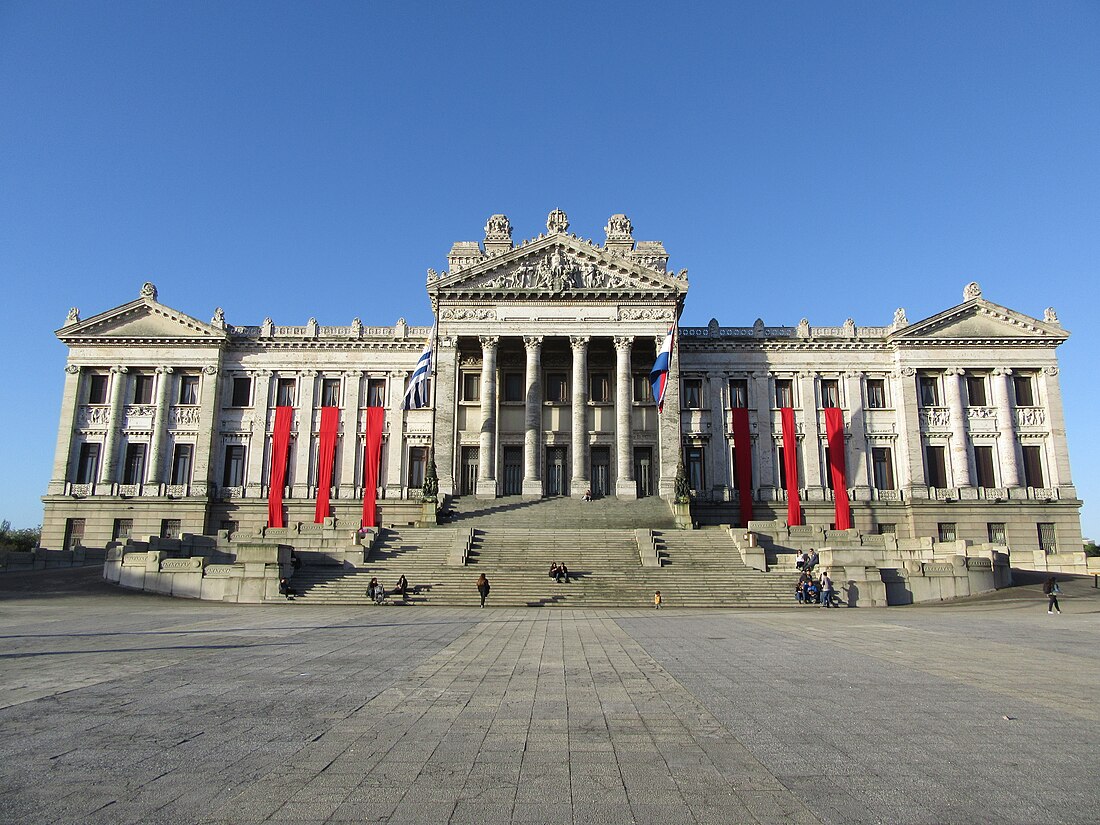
(809, 159)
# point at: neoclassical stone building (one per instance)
(950, 426)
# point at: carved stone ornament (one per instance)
(149, 290)
(498, 228)
(557, 221)
(642, 314)
(468, 314)
(619, 228)
(1050, 370)
(219, 318)
(972, 291)
(432, 275)
(899, 317)
(555, 272)
(803, 328)
(210, 369)
(532, 341)
(1050, 316)
(850, 328)
(908, 372)
(73, 317)
(72, 369)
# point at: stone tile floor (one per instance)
(120, 707)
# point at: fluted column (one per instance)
(486, 458)
(625, 486)
(764, 454)
(960, 458)
(1006, 427)
(303, 445)
(579, 481)
(154, 472)
(64, 449)
(532, 431)
(856, 460)
(108, 472)
(349, 436)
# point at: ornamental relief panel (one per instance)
(644, 314)
(1031, 417)
(935, 418)
(556, 273)
(183, 417)
(92, 415)
(468, 314)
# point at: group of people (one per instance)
(559, 571)
(815, 591)
(805, 561)
(377, 593)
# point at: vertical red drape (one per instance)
(743, 470)
(790, 466)
(371, 457)
(280, 446)
(326, 450)
(834, 431)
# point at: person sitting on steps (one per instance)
(587, 495)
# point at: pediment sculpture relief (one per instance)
(555, 273)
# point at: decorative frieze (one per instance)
(935, 418)
(93, 415)
(1031, 417)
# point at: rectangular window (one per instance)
(1025, 390)
(996, 531)
(887, 529)
(830, 393)
(876, 394)
(693, 458)
(181, 464)
(122, 529)
(643, 390)
(935, 467)
(1033, 466)
(599, 387)
(557, 387)
(975, 391)
(143, 388)
(170, 528)
(74, 533)
(882, 468)
(693, 393)
(376, 392)
(418, 463)
(513, 388)
(242, 392)
(983, 466)
(284, 392)
(233, 473)
(1047, 540)
(784, 393)
(87, 465)
(133, 468)
(330, 392)
(929, 387)
(739, 393)
(189, 390)
(471, 387)
(947, 531)
(97, 389)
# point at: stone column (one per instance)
(349, 437)
(155, 472)
(108, 472)
(487, 458)
(263, 382)
(763, 471)
(303, 446)
(395, 438)
(668, 426)
(626, 487)
(63, 451)
(856, 459)
(209, 395)
(1006, 427)
(579, 435)
(718, 448)
(532, 431)
(1051, 398)
(444, 447)
(960, 458)
(910, 456)
(811, 442)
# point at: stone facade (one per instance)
(953, 423)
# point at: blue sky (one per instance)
(302, 159)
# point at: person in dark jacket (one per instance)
(483, 588)
(286, 590)
(1051, 588)
(402, 588)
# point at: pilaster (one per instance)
(205, 444)
(811, 442)
(718, 449)
(303, 445)
(911, 455)
(579, 481)
(1051, 396)
(856, 458)
(487, 459)
(62, 455)
(394, 462)
(625, 486)
(532, 430)
(263, 381)
(446, 400)
(349, 438)
(763, 455)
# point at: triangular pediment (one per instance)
(142, 320)
(978, 319)
(558, 265)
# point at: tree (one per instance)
(22, 540)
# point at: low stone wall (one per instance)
(43, 559)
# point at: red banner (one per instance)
(376, 417)
(326, 451)
(743, 469)
(790, 466)
(834, 431)
(280, 447)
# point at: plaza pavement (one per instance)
(119, 707)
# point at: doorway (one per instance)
(555, 471)
(643, 471)
(513, 471)
(468, 481)
(601, 471)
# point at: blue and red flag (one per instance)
(658, 376)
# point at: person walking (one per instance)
(826, 589)
(1051, 588)
(657, 600)
(483, 588)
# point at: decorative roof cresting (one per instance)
(557, 221)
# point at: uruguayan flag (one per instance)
(658, 376)
(417, 394)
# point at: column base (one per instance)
(577, 486)
(532, 488)
(626, 490)
(486, 488)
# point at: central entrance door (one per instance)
(601, 471)
(468, 483)
(555, 471)
(513, 471)
(643, 470)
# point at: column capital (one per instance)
(353, 373)
(532, 341)
(954, 371)
(309, 373)
(120, 370)
(448, 341)
(1002, 371)
(579, 341)
(624, 341)
(164, 370)
(1050, 370)
(489, 341)
(72, 369)
(853, 374)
